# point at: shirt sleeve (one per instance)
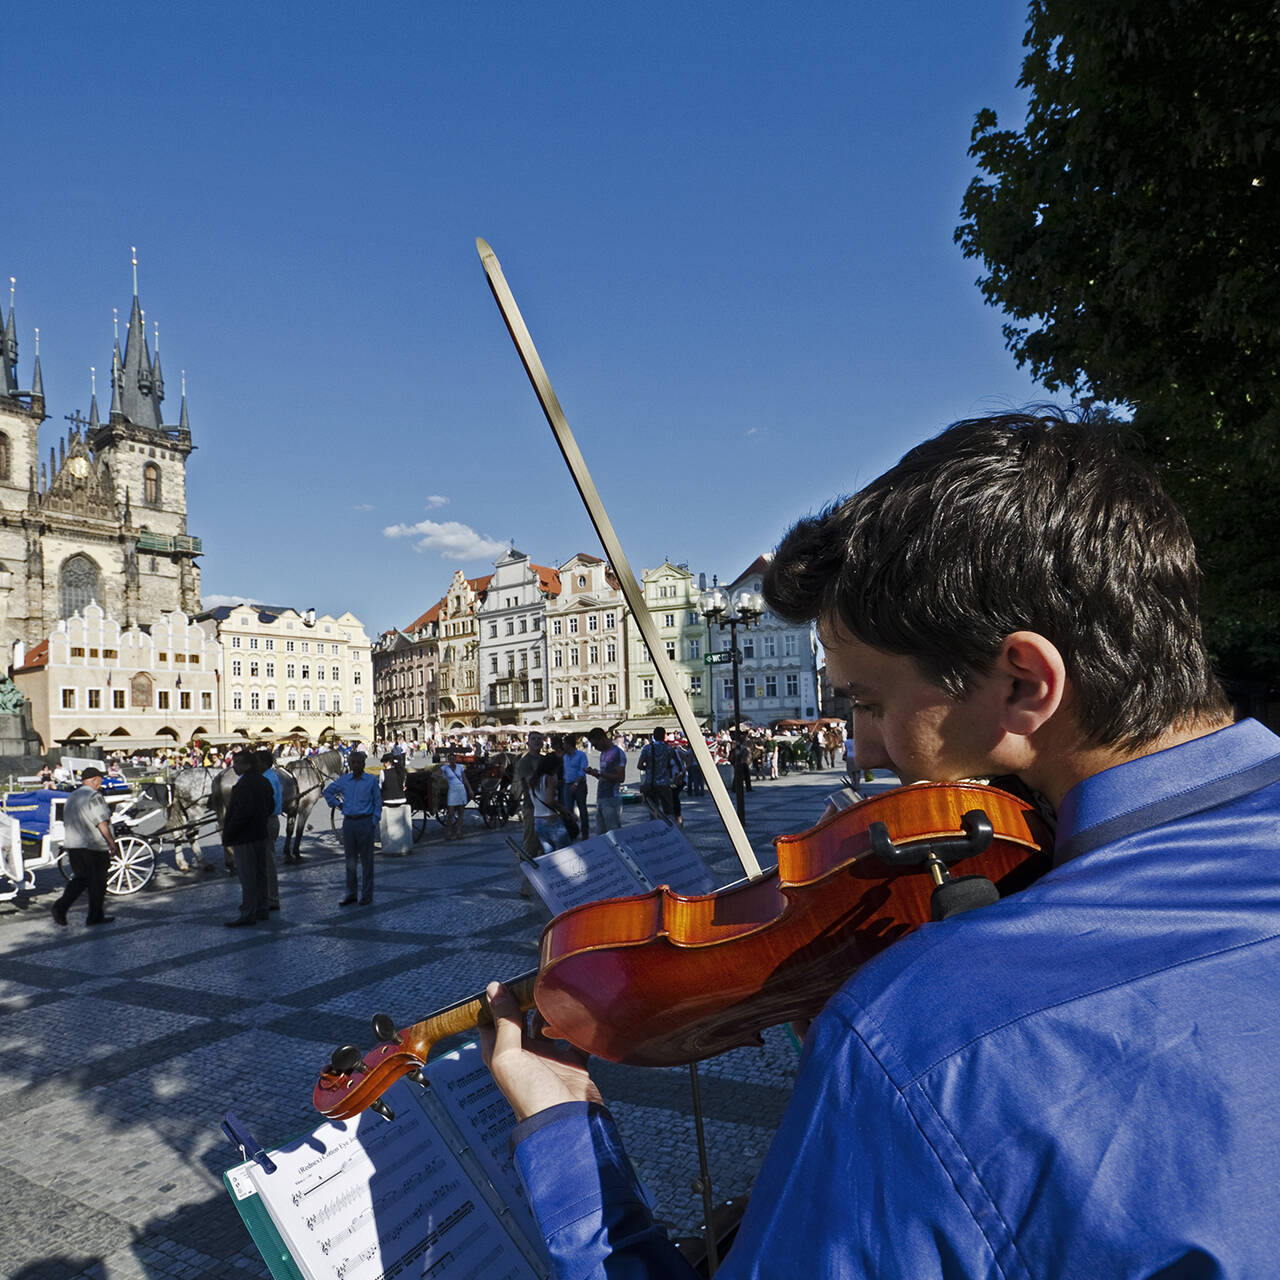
(592, 1211)
(333, 791)
(376, 792)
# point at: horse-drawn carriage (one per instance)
(37, 817)
(491, 779)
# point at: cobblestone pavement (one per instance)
(125, 1045)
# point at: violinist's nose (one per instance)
(868, 743)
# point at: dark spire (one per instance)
(115, 381)
(157, 378)
(9, 349)
(137, 402)
(94, 421)
(37, 380)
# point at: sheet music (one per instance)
(462, 1084)
(584, 872)
(364, 1199)
(664, 856)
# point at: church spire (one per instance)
(137, 402)
(94, 421)
(37, 380)
(183, 424)
(9, 349)
(157, 378)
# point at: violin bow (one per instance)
(613, 550)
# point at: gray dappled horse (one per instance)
(198, 797)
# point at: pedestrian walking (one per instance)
(611, 773)
(360, 799)
(90, 846)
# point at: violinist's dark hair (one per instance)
(1019, 521)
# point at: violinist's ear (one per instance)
(1033, 679)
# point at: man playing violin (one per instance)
(1079, 1079)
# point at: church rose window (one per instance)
(79, 585)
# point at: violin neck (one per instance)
(464, 1016)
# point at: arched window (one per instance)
(6, 458)
(151, 485)
(79, 584)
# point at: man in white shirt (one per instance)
(90, 846)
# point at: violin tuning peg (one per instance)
(418, 1078)
(346, 1059)
(384, 1028)
(382, 1109)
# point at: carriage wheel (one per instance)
(418, 817)
(133, 867)
(64, 865)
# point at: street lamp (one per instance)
(742, 611)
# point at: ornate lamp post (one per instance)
(747, 607)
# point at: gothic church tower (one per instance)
(106, 520)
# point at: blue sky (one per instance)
(728, 226)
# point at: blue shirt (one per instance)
(575, 766)
(277, 794)
(361, 797)
(1077, 1081)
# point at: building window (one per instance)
(592, 622)
(789, 646)
(595, 694)
(253, 642)
(646, 687)
(493, 631)
(573, 626)
(609, 621)
(235, 666)
(668, 619)
(237, 702)
(253, 668)
(271, 702)
(670, 647)
(269, 645)
(559, 699)
(288, 644)
(695, 649)
(306, 702)
(336, 674)
(306, 646)
(771, 686)
(68, 699)
(593, 654)
(358, 703)
(255, 702)
(77, 651)
(555, 626)
(611, 652)
(748, 647)
(151, 485)
(6, 457)
(78, 583)
(695, 684)
(162, 700)
(355, 676)
(270, 671)
(557, 658)
(117, 699)
(206, 702)
(306, 671)
(769, 646)
(235, 642)
(291, 702)
(728, 689)
(320, 702)
(613, 694)
(95, 699)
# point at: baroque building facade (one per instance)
(458, 664)
(513, 641)
(587, 626)
(289, 672)
(95, 679)
(105, 518)
(671, 595)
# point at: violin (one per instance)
(663, 979)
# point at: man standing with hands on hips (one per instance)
(90, 847)
(360, 798)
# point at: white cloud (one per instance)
(216, 602)
(436, 500)
(454, 540)
(363, 506)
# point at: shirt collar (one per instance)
(1177, 781)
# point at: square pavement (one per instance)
(125, 1045)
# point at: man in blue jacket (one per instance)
(1077, 1080)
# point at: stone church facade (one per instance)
(104, 517)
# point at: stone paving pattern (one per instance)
(125, 1045)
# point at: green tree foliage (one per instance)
(1131, 232)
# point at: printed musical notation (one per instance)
(370, 1200)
